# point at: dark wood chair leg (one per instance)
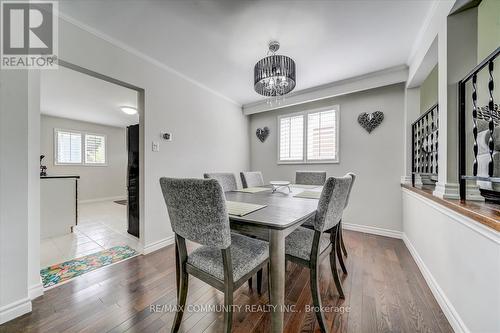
(250, 286)
(333, 263)
(341, 237)
(259, 281)
(316, 296)
(338, 250)
(177, 269)
(269, 281)
(228, 302)
(181, 298)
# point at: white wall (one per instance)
(14, 299)
(209, 133)
(460, 260)
(376, 158)
(96, 182)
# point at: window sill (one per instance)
(308, 162)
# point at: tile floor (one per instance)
(101, 225)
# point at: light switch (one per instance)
(156, 146)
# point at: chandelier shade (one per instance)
(274, 75)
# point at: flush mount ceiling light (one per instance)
(128, 109)
(274, 75)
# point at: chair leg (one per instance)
(177, 269)
(250, 284)
(315, 292)
(341, 237)
(181, 298)
(333, 263)
(259, 281)
(228, 315)
(338, 250)
(269, 281)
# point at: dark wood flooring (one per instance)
(385, 292)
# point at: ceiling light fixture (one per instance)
(274, 75)
(128, 109)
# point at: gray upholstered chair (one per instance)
(310, 177)
(197, 211)
(308, 247)
(251, 179)
(226, 180)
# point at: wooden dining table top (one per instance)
(282, 210)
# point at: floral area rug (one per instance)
(67, 270)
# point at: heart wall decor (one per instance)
(370, 121)
(262, 133)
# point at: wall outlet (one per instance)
(156, 146)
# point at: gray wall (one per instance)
(96, 182)
(429, 90)
(376, 158)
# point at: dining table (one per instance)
(282, 214)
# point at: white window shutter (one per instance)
(291, 138)
(322, 136)
(69, 147)
(95, 149)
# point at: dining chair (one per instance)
(197, 211)
(251, 179)
(226, 180)
(310, 177)
(308, 247)
(341, 248)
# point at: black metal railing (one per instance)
(488, 113)
(425, 133)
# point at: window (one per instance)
(95, 149)
(321, 136)
(291, 138)
(77, 148)
(309, 137)
(69, 147)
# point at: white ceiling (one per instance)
(70, 94)
(217, 42)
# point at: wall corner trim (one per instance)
(15, 309)
(373, 230)
(155, 246)
(446, 306)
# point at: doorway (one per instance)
(91, 171)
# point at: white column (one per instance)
(411, 112)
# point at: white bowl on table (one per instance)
(277, 184)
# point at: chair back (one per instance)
(251, 179)
(353, 176)
(226, 180)
(332, 202)
(197, 210)
(310, 177)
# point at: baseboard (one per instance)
(14, 310)
(373, 230)
(35, 290)
(102, 199)
(149, 248)
(446, 306)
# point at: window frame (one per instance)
(83, 135)
(305, 114)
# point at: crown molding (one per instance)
(141, 55)
(372, 80)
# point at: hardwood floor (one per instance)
(384, 289)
